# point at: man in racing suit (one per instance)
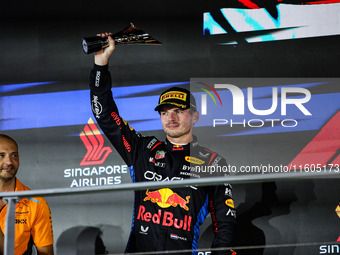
(165, 219)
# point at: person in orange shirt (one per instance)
(33, 222)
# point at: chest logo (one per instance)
(177, 147)
(230, 203)
(160, 154)
(166, 198)
(194, 160)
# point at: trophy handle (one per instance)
(129, 35)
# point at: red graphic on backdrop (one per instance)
(94, 142)
(324, 149)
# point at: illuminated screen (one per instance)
(269, 21)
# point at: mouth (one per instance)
(6, 169)
(172, 125)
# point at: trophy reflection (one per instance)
(129, 35)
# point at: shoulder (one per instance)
(36, 202)
(210, 157)
(32, 200)
(151, 142)
(148, 143)
(19, 186)
(38, 206)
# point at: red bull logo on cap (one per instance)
(166, 198)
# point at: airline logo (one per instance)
(331, 248)
(94, 143)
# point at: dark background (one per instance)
(41, 41)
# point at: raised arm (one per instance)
(121, 135)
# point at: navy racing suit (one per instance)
(164, 219)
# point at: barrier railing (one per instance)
(13, 197)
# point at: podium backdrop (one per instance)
(282, 58)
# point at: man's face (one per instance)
(9, 159)
(177, 123)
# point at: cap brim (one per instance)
(158, 107)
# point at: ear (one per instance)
(195, 117)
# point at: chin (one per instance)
(173, 134)
(7, 177)
(176, 134)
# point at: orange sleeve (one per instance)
(2, 221)
(42, 230)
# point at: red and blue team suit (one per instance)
(164, 219)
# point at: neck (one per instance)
(180, 140)
(6, 186)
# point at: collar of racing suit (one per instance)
(177, 147)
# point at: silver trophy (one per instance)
(129, 35)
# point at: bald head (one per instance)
(9, 159)
(5, 138)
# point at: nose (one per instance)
(8, 160)
(172, 116)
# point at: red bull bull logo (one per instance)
(177, 147)
(166, 198)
